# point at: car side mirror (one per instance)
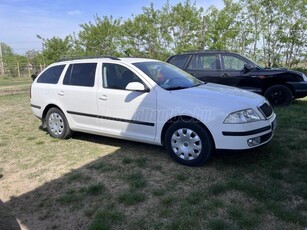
(248, 67)
(136, 86)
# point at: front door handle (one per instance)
(224, 75)
(103, 97)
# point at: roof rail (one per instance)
(200, 51)
(86, 57)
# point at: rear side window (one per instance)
(203, 62)
(82, 74)
(179, 60)
(51, 75)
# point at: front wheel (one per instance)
(57, 124)
(188, 143)
(279, 95)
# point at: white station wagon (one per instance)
(149, 101)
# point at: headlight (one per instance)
(243, 116)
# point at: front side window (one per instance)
(82, 74)
(117, 76)
(233, 63)
(51, 75)
(203, 62)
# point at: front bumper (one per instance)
(300, 88)
(242, 140)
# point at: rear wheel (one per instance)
(57, 124)
(279, 95)
(188, 143)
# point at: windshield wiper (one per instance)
(202, 83)
(185, 87)
(176, 88)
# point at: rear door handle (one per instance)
(61, 93)
(224, 75)
(103, 97)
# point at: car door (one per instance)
(204, 67)
(234, 74)
(78, 95)
(232, 69)
(125, 113)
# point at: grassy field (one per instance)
(9, 85)
(92, 182)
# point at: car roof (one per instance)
(135, 60)
(204, 51)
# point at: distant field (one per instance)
(93, 182)
(14, 85)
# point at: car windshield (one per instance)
(255, 64)
(168, 76)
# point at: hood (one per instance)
(225, 96)
(269, 71)
(297, 73)
(276, 71)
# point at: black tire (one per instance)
(181, 141)
(279, 95)
(57, 124)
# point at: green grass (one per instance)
(14, 81)
(105, 219)
(14, 85)
(136, 181)
(131, 197)
(93, 182)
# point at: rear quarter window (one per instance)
(203, 62)
(51, 75)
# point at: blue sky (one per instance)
(22, 20)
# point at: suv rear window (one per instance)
(51, 75)
(82, 74)
(179, 60)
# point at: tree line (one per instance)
(271, 32)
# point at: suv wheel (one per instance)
(188, 143)
(57, 124)
(279, 95)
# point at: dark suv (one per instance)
(279, 86)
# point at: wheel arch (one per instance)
(273, 82)
(279, 95)
(185, 119)
(47, 108)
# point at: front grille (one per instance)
(266, 110)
